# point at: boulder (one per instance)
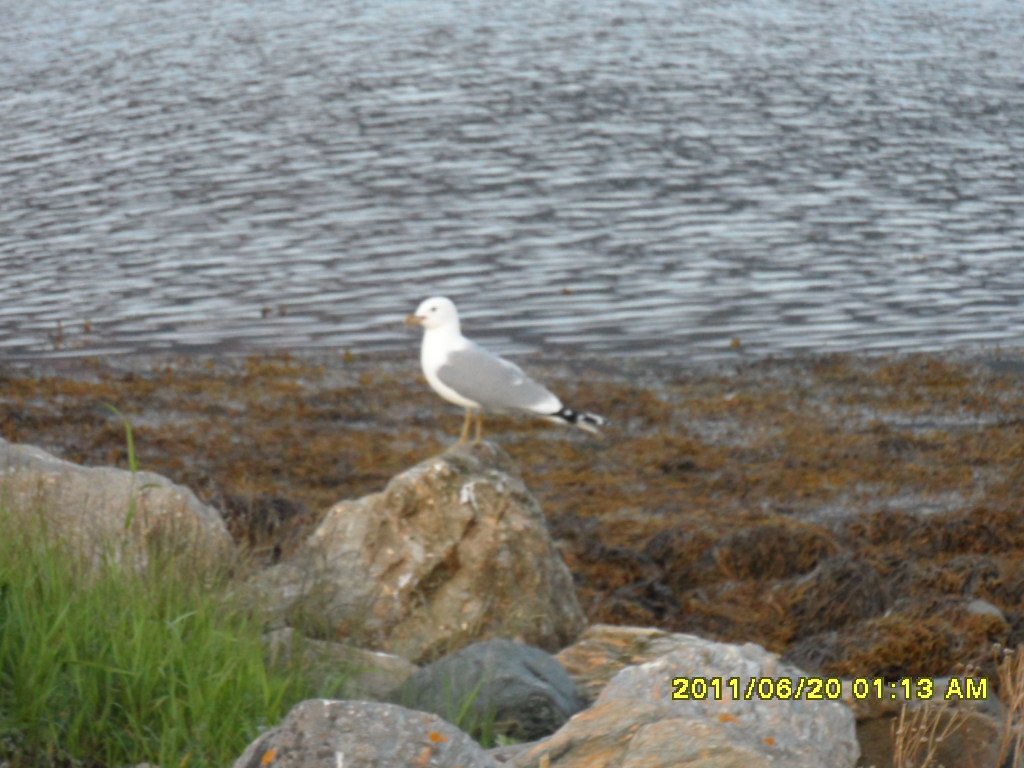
(495, 686)
(104, 510)
(507, 753)
(613, 734)
(345, 671)
(319, 733)
(603, 649)
(636, 721)
(452, 551)
(979, 607)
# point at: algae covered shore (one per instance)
(861, 515)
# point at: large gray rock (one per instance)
(103, 511)
(498, 686)
(453, 550)
(362, 734)
(601, 651)
(635, 720)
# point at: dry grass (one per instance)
(1011, 685)
(919, 733)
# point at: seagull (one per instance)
(464, 373)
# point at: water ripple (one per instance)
(636, 177)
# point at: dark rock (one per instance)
(497, 686)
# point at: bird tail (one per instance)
(589, 422)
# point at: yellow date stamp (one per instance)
(817, 688)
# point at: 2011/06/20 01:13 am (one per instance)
(717, 688)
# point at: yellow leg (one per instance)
(465, 427)
(479, 426)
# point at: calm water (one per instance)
(648, 178)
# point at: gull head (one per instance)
(435, 312)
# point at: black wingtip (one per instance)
(585, 421)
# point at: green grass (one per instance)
(114, 666)
(460, 708)
(465, 715)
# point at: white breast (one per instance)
(437, 344)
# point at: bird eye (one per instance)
(433, 309)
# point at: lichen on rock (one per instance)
(453, 550)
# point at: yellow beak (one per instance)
(413, 320)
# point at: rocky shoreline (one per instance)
(855, 517)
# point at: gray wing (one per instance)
(495, 383)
